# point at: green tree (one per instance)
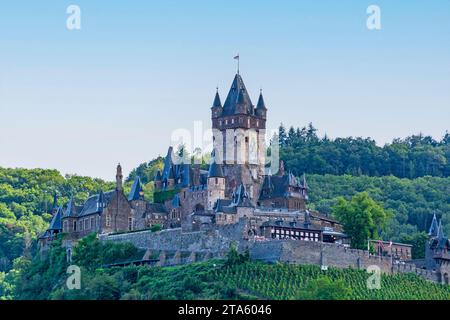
(362, 218)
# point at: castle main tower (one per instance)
(239, 130)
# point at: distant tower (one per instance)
(239, 138)
(216, 183)
(119, 178)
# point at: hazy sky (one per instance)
(81, 101)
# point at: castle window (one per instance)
(232, 121)
(217, 181)
(74, 226)
(220, 122)
(226, 121)
(241, 120)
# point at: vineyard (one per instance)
(283, 282)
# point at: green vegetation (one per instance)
(234, 278)
(362, 218)
(26, 197)
(286, 281)
(162, 196)
(412, 157)
(412, 202)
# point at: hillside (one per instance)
(235, 278)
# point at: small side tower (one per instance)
(216, 183)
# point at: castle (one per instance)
(236, 190)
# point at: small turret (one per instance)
(434, 228)
(136, 193)
(216, 108)
(261, 110)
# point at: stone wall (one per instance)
(213, 241)
(329, 254)
(173, 246)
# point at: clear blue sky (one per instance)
(81, 101)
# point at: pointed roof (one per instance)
(55, 224)
(167, 164)
(434, 228)
(215, 169)
(217, 103)
(261, 104)
(241, 197)
(237, 95)
(136, 190)
(305, 184)
(71, 210)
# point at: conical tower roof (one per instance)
(237, 95)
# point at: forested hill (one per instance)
(26, 197)
(412, 157)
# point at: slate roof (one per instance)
(434, 228)
(71, 210)
(225, 206)
(237, 95)
(261, 104)
(215, 170)
(241, 198)
(277, 186)
(167, 164)
(91, 205)
(156, 208)
(217, 103)
(136, 190)
(55, 224)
